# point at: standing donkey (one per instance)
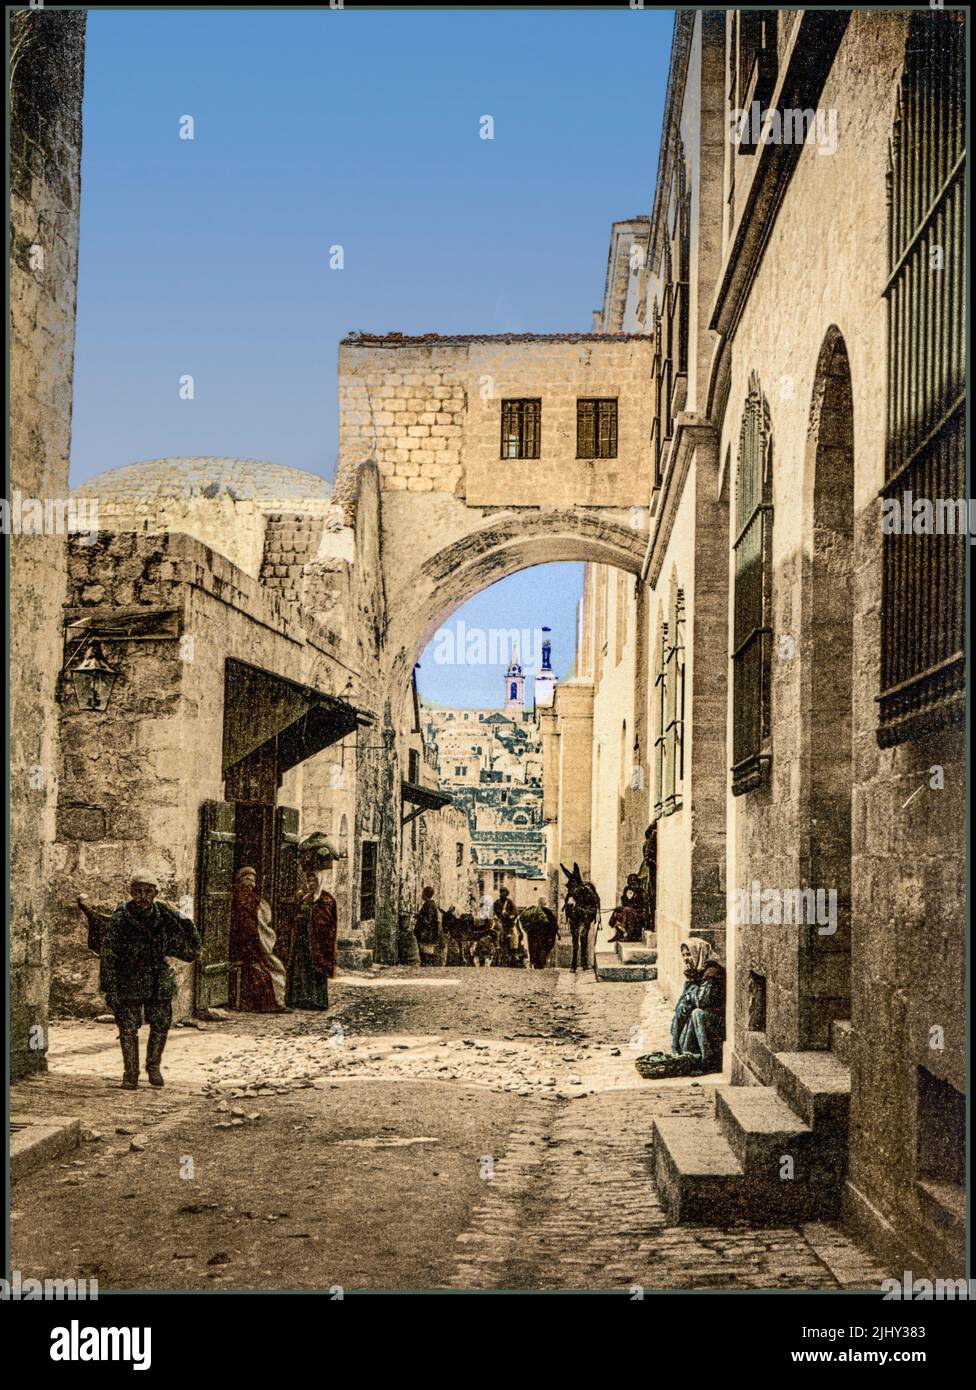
(582, 910)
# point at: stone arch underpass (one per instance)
(489, 461)
(486, 549)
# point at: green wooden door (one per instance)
(217, 841)
(286, 858)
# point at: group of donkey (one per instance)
(528, 940)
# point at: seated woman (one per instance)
(698, 1026)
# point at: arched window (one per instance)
(923, 575)
(671, 701)
(659, 700)
(752, 600)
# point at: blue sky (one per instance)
(210, 257)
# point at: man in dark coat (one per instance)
(308, 945)
(504, 913)
(135, 976)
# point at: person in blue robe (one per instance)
(698, 1025)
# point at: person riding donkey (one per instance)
(135, 975)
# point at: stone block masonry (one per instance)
(428, 410)
(47, 61)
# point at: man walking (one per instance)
(136, 978)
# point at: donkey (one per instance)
(465, 931)
(582, 910)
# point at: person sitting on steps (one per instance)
(698, 1026)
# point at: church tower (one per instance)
(545, 681)
(514, 687)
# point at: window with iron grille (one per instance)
(752, 600)
(521, 429)
(660, 695)
(923, 576)
(367, 881)
(670, 692)
(596, 429)
(460, 854)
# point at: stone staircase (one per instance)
(772, 1153)
(628, 960)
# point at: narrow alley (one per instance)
(435, 1129)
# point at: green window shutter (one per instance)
(216, 878)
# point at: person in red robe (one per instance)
(252, 944)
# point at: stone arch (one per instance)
(493, 548)
(826, 654)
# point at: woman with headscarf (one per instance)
(698, 1026)
(252, 943)
(313, 927)
(427, 929)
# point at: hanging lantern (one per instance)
(93, 678)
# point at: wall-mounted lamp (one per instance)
(93, 678)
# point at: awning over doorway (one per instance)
(422, 799)
(263, 709)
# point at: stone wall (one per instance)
(901, 964)
(612, 618)
(429, 413)
(434, 862)
(135, 775)
(47, 61)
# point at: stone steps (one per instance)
(609, 966)
(816, 1085)
(695, 1171)
(633, 954)
(733, 1164)
(34, 1142)
(760, 1128)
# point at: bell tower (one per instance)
(514, 686)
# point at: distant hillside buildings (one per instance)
(490, 762)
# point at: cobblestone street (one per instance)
(460, 1129)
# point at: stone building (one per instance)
(46, 76)
(847, 681)
(237, 608)
(776, 370)
(491, 764)
(436, 850)
(796, 657)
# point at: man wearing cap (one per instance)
(309, 945)
(136, 978)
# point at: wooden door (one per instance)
(217, 844)
(286, 885)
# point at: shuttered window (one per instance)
(596, 429)
(923, 571)
(660, 699)
(521, 429)
(752, 597)
(670, 700)
(367, 881)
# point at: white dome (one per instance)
(244, 479)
